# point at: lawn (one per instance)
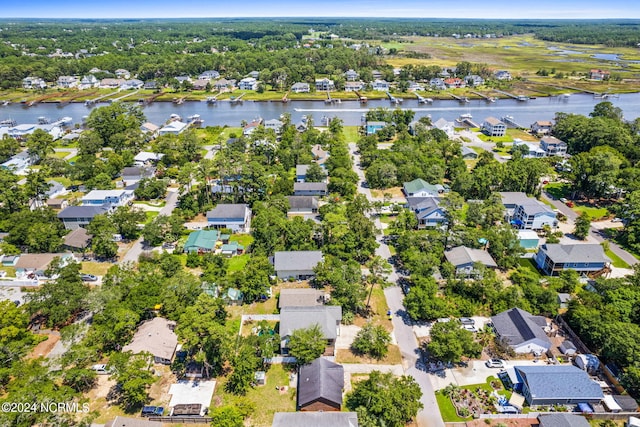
(266, 400)
(616, 260)
(237, 263)
(387, 219)
(351, 133)
(393, 357)
(530, 264)
(593, 212)
(95, 268)
(447, 410)
(244, 239)
(150, 216)
(557, 190)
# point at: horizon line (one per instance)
(59, 18)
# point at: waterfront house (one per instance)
(325, 85)
(300, 87)
(493, 127)
(248, 83)
(599, 75)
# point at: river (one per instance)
(224, 113)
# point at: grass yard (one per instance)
(393, 357)
(244, 239)
(351, 133)
(447, 410)
(387, 219)
(557, 189)
(593, 212)
(150, 216)
(530, 264)
(265, 400)
(616, 260)
(95, 268)
(237, 263)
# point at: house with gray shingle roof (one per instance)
(80, 216)
(527, 213)
(296, 264)
(305, 297)
(584, 258)
(493, 127)
(427, 211)
(327, 317)
(320, 386)
(557, 385)
(236, 216)
(310, 189)
(562, 420)
(302, 205)
(523, 331)
(315, 419)
(464, 259)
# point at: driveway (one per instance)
(138, 246)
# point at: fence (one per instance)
(184, 420)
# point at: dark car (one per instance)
(152, 411)
(88, 278)
(467, 321)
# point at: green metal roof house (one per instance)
(201, 241)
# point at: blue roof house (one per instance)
(557, 385)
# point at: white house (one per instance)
(325, 84)
(274, 124)
(300, 87)
(173, 128)
(33, 83)
(553, 146)
(209, 75)
(296, 264)
(522, 331)
(237, 217)
(66, 82)
(88, 82)
(104, 197)
(380, 85)
(493, 127)
(248, 83)
(445, 126)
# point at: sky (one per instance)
(502, 9)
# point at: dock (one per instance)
(212, 99)
(149, 100)
(393, 99)
(511, 123)
(331, 100)
(511, 95)
(577, 89)
(178, 101)
(45, 97)
(462, 99)
(467, 122)
(91, 102)
(363, 99)
(237, 99)
(483, 96)
(76, 96)
(422, 99)
(285, 98)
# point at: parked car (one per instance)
(101, 369)
(470, 328)
(616, 219)
(88, 278)
(389, 316)
(569, 204)
(467, 321)
(494, 363)
(563, 200)
(152, 411)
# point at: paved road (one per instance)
(138, 247)
(429, 416)
(593, 232)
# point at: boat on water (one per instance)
(195, 119)
(522, 98)
(65, 121)
(8, 122)
(42, 120)
(174, 117)
(466, 116)
(492, 99)
(565, 96)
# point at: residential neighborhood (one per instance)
(408, 270)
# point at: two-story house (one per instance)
(526, 213)
(351, 75)
(600, 75)
(553, 146)
(353, 86)
(74, 217)
(427, 211)
(421, 188)
(583, 258)
(541, 127)
(380, 85)
(493, 127)
(502, 75)
(209, 75)
(248, 83)
(325, 85)
(67, 82)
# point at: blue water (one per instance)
(606, 56)
(351, 112)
